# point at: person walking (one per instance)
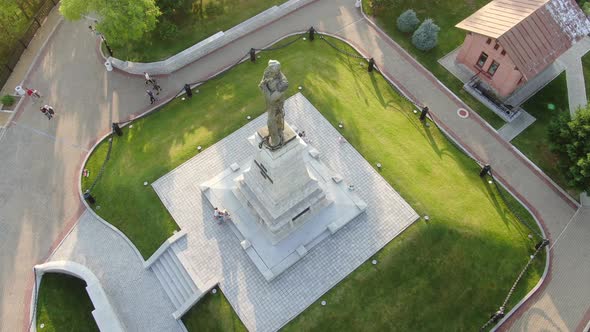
(148, 79)
(156, 87)
(33, 93)
(48, 111)
(151, 95)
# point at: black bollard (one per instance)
(424, 113)
(187, 89)
(117, 130)
(252, 55)
(371, 64)
(485, 170)
(311, 33)
(89, 198)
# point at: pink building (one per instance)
(510, 41)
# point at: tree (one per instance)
(570, 140)
(426, 37)
(122, 21)
(408, 21)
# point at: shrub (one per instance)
(408, 21)
(167, 29)
(569, 139)
(586, 8)
(7, 100)
(426, 37)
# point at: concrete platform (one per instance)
(215, 253)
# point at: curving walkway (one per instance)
(41, 159)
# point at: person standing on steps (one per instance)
(151, 95)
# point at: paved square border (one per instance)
(216, 255)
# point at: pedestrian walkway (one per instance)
(572, 61)
(39, 196)
(134, 292)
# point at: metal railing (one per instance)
(19, 45)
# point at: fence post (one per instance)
(22, 43)
(8, 67)
(36, 20)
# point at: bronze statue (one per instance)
(273, 86)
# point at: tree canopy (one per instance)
(121, 21)
(570, 139)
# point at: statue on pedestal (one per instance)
(273, 85)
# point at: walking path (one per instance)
(41, 159)
(572, 61)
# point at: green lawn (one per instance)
(445, 13)
(452, 272)
(192, 28)
(545, 106)
(63, 305)
(213, 313)
(586, 66)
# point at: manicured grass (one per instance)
(545, 106)
(63, 304)
(445, 13)
(192, 29)
(586, 67)
(452, 272)
(213, 313)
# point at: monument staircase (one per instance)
(180, 284)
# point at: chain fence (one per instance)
(495, 317)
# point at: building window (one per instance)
(496, 46)
(503, 52)
(482, 60)
(489, 41)
(493, 68)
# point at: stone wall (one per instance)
(210, 44)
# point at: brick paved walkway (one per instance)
(41, 159)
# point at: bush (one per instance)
(586, 8)
(167, 30)
(7, 100)
(408, 21)
(569, 139)
(426, 37)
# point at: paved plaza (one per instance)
(215, 252)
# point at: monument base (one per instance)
(272, 257)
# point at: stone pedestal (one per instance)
(278, 187)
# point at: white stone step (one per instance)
(181, 283)
(174, 279)
(192, 287)
(165, 282)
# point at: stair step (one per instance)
(165, 284)
(183, 270)
(172, 279)
(179, 281)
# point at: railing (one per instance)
(507, 112)
(19, 46)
